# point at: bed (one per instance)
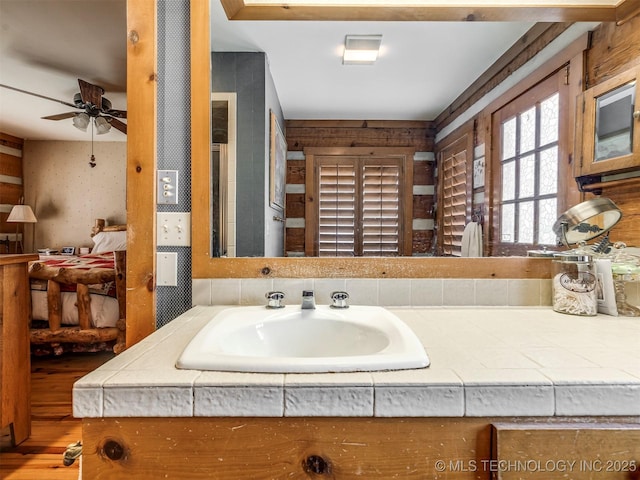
(78, 303)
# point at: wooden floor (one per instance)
(53, 426)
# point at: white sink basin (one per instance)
(292, 340)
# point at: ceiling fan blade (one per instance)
(39, 96)
(117, 113)
(91, 93)
(60, 116)
(117, 124)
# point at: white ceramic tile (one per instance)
(324, 287)
(225, 291)
(597, 399)
(253, 290)
(362, 291)
(556, 357)
(492, 292)
(201, 291)
(477, 376)
(239, 394)
(427, 401)
(589, 376)
(238, 401)
(87, 402)
(524, 292)
(418, 393)
(158, 401)
(325, 401)
(426, 291)
(502, 358)
(337, 394)
(394, 292)
(457, 292)
(505, 400)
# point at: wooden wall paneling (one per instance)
(10, 165)
(360, 133)
(613, 50)
(529, 45)
(11, 141)
(11, 190)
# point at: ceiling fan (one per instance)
(95, 107)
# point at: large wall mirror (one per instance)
(206, 255)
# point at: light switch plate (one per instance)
(173, 229)
(167, 187)
(167, 269)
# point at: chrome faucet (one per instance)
(308, 300)
(274, 299)
(339, 299)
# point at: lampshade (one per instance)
(102, 125)
(22, 214)
(361, 49)
(81, 121)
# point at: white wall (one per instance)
(67, 194)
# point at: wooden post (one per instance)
(54, 302)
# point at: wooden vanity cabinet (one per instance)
(15, 355)
(355, 448)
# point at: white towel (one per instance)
(472, 240)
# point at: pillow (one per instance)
(109, 242)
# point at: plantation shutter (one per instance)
(454, 198)
(359, 206)
(381, 208)
(337, 208)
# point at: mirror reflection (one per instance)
(362, 181)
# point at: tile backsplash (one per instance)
(387, 292)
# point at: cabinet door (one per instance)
(609, 125)
(602, 451)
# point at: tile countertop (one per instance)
(484, 362)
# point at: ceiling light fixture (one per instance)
(102, 125)
(81, 121)
(361, 49)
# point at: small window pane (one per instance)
(509, 181)
(527, 177)
(549, 171)
(547, 216)
(549, 120)
(528, 130)
(509, 139)
(507, 223)
(525, 222)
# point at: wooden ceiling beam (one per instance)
(542, 12)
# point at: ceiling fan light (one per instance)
(81, 121)
(102, 125)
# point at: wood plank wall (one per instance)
(301, 134)
(11, 188)
(614, 49)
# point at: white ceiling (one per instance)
(46, 45)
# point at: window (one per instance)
(359, 205)
(527, 134)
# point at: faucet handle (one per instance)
(339, 299)
(274, 299)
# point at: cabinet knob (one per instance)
(636, 115)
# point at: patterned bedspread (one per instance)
(82, 262)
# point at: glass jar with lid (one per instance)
(574, 285)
